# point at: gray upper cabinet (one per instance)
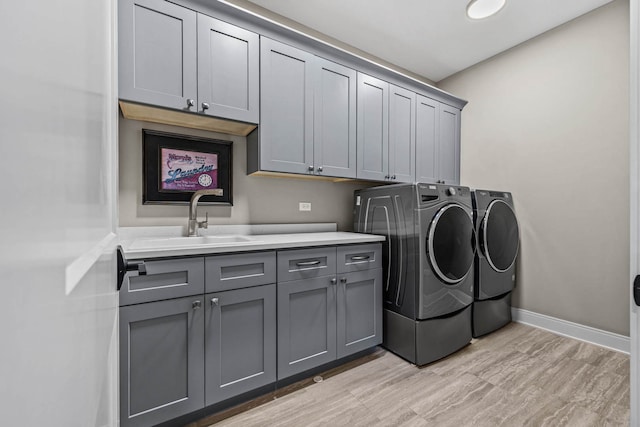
(228, 70)
(373, 132)
(157, 53)
(286, 125)
(402, 134)
(161, 360)
(449, 145)
(174, 57)
(437, 142)
(427, 136)
(334, 130)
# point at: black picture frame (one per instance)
(186, 159)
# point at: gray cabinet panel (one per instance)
(427, 136)
(449, 148)
(373, 123)
(296, 264)
(228, 70)
(306, 325)
(157, 53)
(225, 272)
(402, 134)
(359, 311)
(334, 136)
(161, 361)
(172, 278)
(240, 341)
(286, 108)
(359, 257)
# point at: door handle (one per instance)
(636, 290)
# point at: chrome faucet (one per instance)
(194, 224)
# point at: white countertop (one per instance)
(168, 242)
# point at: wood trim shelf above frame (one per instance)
(148, 113)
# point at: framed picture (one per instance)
(175, 166)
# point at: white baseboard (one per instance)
(577, 331)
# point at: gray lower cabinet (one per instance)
(240, 349)
(359, 311)
(306, 324)
(161, 360)
(176, 58)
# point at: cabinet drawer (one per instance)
(237, 271)
(359, 257)
(165, 279)
(306, 263)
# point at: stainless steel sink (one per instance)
(184, 242)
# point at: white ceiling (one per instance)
(432, 38)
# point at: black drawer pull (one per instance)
(360, 257)
(307, 263)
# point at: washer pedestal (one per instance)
(425, 341)
(491, 314)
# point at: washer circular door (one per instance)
(499, 236)
(451, 243)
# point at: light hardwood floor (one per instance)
(517, 376)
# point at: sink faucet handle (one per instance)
(205, 223)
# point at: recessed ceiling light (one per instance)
(480, 9)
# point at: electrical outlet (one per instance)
(304, 206)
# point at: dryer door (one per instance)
(451, 243)
(499, 236)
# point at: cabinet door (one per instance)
(427, 134)
(373, 123)
(286, 106)
(161, 360)
(359, 311)
(334, 129)
(240, 341)
(449, 145)
(402, 134)
(157, 53)
(306, 325)
(228, 70)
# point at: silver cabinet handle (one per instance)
(360, 257)
(310, 168)
(205, 106)
(334, 281)
(196, 305)
(319, 168)
(307, 263)
(393, 177)
(190, 102)
(214, 301)
(343, 280)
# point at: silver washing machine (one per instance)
(495, 263)
(428, 261)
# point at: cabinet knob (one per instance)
(310, 168)
(190, 102)
(196, 305)
(386, 177)
(393, 177)
(205, 106)
(343, 280)
(334, 281)
(214, 301)
(319, 168)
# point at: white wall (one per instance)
(256, 199)
(548, 121)
(58, 363)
